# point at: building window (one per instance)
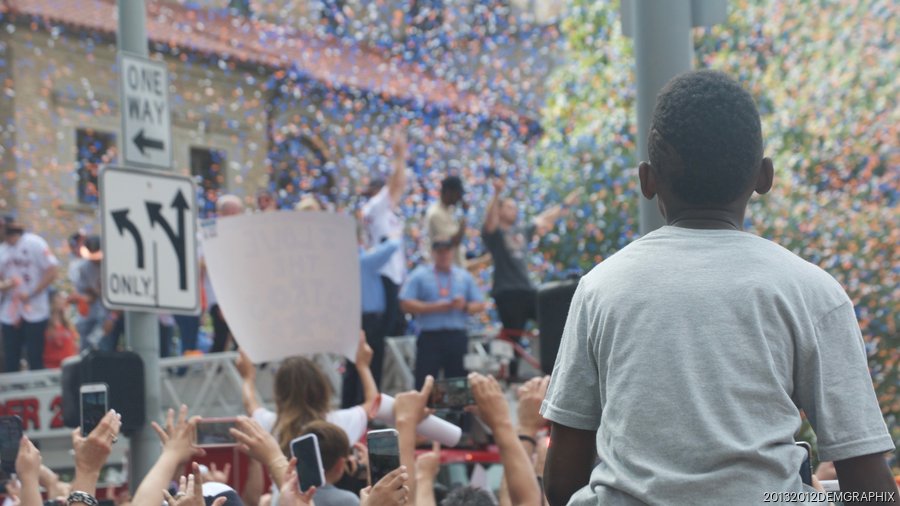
(94, 149)
(240, 7)
(208, 170)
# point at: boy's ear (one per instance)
(647, 175)
(765, 177)
(340, 464)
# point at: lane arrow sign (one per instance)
(123, 224)
(154, 211)
(143, 142)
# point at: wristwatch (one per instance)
(78, 496)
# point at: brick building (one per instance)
(280, 98)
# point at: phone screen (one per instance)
(93, 409)
(309, 462)
(10, 435)
(384, 453)
(215, 433)
(450, 393)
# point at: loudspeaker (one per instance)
(553, 300)
(122, 371)
(71, 384)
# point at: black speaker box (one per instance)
(553, 300)
(123, 373)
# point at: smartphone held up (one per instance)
(10, 437)
(215, 432)
(384, 453)
(94, 405)
(309, 461)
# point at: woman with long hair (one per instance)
(61, 335)
(303, 394)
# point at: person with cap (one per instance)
(87, 282)
(441, 296)
(382, 218)
(441, 220)
(27, 268)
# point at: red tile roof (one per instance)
(329, 60)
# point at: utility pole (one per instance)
(663, 48)
(141, 328)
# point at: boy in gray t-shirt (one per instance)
(688, 355)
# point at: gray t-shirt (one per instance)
(508, 249)
(691, 353)
(329, 495)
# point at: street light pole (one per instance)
(663, 48)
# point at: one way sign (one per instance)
(145, 115)
(149, 241)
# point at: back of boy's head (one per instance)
(468, 496)
(706, 138)
(333, 442)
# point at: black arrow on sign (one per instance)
(154, 210)
(123, 223)
(146, 142)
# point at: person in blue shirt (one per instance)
(441, 296)
(374, 304)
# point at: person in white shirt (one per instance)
(441, 220)
(382, 218)
(303, 394)
(27, 269)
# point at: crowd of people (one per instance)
(834, 143)
(303, 406)
(721, 302)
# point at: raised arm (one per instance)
(570, 460)
(261, 446)
(545, 221)
(364, 369)
(492, 215)
(178, 449)
(518, 469)
(409, 410)
(248, 386)
(397, 180)
(869, 473)
(28, 469)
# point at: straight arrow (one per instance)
(180, 204)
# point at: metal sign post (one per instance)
(142, 328)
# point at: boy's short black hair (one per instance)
(468, 496)
(333, 442)
(452, 184)
(713, 127)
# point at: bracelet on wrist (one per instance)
(79, 497)
(523, 437)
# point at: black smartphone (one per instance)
(451, 393)
(215, 432)
(806, 467)
(309, 461)
(10, 437)
(94, 405)
(384, 453)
